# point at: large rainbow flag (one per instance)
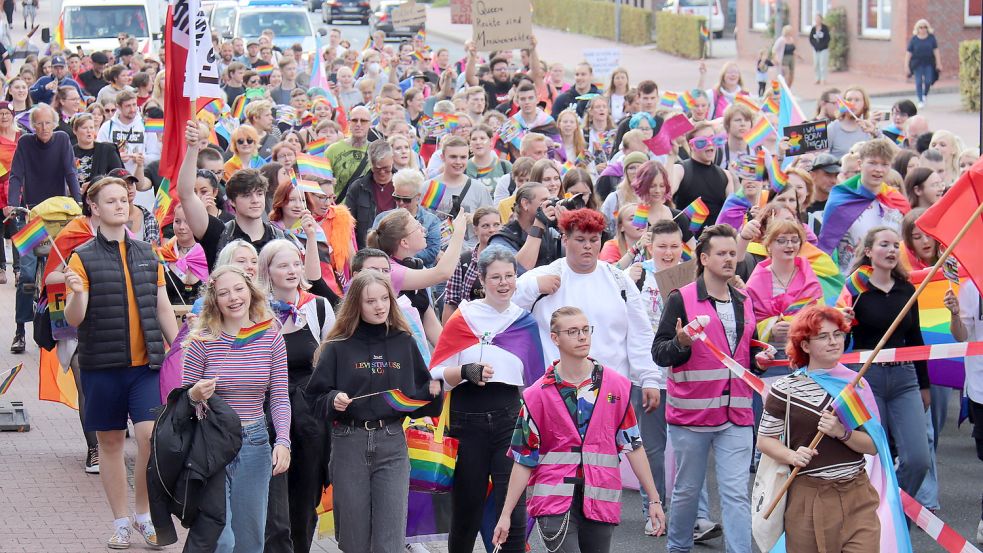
(934, 319)
(847, 201)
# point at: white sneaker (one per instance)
(706, 530)
(416, 548)
(921, 105)
(979, 533)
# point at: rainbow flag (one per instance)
(759, 168)
(668, 99)
(641, 218)
(402, 402)
(759, 132)
(697, 212)
(263, 70)
(687, 101)
(799, 305)
(859, 281)
(59, 34)
(704, 32)
(850, 408)
(687, 252)
(417, 55)
(238, 106)
(315, 166)
(153, 125)
(565, 167)
(842, 107)
(317, 146)
(449, 120)
(163, 203)
(216, 107)
(357, 68)
(30, 236)
(777, 177)
(746, 101)
(485, 171)
(249, 334)
(433, 194)
(846, 202)
(421, 35)
(9, 379)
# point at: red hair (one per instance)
(585, 220)
(806, 325)
(281, 198)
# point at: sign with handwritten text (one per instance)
(501, 24)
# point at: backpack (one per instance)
(228, 235)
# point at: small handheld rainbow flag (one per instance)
(448, 120)
(746, 101)
(263, 70)
(843, 108)
(421, 35)
(771, 103)
(9, 379)
(153, 125)
(238, 106)
(433, 194)
(687, 101)
(668, 99)
(759, 132)
(777, 177)
(216, 107)
(641, 218)
(402, 402)
(850, 408)
(30, 236)
(249, 334)
(859, 280)
(759, 167)
(565, 167)
(314, 166)
(317, 146)
(687, 252)
(950, 268)
(162, 202)
(697, 213)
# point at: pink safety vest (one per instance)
(702, 391)
(561, 450)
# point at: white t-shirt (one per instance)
(969, 314)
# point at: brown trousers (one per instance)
(824, 516)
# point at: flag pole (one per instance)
(883, 341)
(373, 394)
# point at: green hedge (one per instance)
(594, 18)
(969, 74)
(679, 34)
(839, 43)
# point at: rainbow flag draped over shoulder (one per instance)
(846, 202)
(521, 338)
(934, 319)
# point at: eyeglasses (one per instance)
(577, 332)
(109, 110)
(243, 141)
(829, 337)
(703, 142)
(359, 121)
(499, 279)
(404, 199)
(783, 241)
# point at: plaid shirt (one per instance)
(462, 281)
(151, 228)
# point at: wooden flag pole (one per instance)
(370, 395)
(883, 341)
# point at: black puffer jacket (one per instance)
(186, 473)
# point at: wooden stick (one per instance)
(880, 345)
(370, 395)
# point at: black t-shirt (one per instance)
(702, 181)
(212, 237)
(96, 161)
(91, 83)
(498, 93)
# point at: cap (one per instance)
(252, 43)
(826, 162)
(633, 158)
(58, 60)
(99, 58)
(6, 106)
(123, 174)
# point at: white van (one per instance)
(96, 24)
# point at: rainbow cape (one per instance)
(249, 334)
(846, 202)
(521, 339)
(880, 467)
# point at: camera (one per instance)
(573, 202)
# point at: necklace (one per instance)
(787, 282)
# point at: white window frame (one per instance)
(760, 9)
(808, 10)
(970, 20)
(869, 32)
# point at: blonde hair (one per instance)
(578, 135)
(952, 162)
(410, 177)
(208, 326)
(263, 279)
(414, 162)
(224, 257)
(255, 107)
(350, 313)
(914, 30)
(390, 231)
(244, 131)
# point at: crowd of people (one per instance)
(347, 250)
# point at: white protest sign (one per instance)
(603, 60)
(501, 24)
(409, 14)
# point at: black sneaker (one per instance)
(19, 344)
(92, 461)
(706, 530)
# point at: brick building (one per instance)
(879, 30)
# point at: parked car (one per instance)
(700, 7)
(381, 20)
(358, 10)
(289, 23)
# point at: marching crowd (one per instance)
(370, 236)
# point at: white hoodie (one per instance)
(137, 139)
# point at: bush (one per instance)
(839, 43)
(594, 18)
(679, 34)
(969, 74)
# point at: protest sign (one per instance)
(807, 137)
(60, 329)
(461, 12)
(603, 60)
(409, 14)
(501, 24)
(675, 278)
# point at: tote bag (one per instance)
(433, 456)
(770, 477)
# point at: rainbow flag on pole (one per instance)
(153, 125)
(402, 402)
(9, 379)
(697, 212)
(433, 194)
(163, 203)
(850, 408)
(30, 236)
(249, 334)
(777, 177)
(687, 101)
(641, 217)
(314, 166)
(263, 70)
(668, 99)
(859, 280)
(759, 132)
(317, 146)
(746, 101)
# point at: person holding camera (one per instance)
(531, 235)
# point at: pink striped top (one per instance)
(245, 376)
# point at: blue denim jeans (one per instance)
(24, 301)
(732, 453)
(928, 493)
(370, 471)
(923, 79)
(247, 488)
(899, 401)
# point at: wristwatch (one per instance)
(535, 232)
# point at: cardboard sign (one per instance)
(501, 24)
(807, 137)
(60, 329)
(409, 14)
(461, 12)
(603, 60)
(675, 278)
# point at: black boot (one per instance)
(19, 344)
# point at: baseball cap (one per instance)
(826, 162)
(123, 174)
(58, 60)
(99, 58)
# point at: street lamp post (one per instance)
(617, 20)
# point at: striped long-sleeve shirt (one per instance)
(244, 376)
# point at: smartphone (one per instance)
(333, 78)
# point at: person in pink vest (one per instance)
(573, 423)
(706, 405)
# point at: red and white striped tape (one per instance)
(939, 531)
(910, 353)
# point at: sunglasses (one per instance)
(242, 141)
(704, 142)
(358, 120)
(403, 199)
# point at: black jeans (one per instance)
(484, 440)
(573, 532)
